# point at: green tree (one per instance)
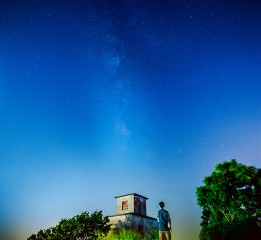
(80, 227)
(231, 202)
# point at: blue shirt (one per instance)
(163, 219)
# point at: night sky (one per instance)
(105, 98)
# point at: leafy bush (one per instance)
(80, 227)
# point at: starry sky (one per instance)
(104, 98)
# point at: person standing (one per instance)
(164, 223)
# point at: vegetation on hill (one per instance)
(127, 234)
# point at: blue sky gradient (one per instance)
(105, 98)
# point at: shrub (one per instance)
(80, 227)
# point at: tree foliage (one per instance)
(80, 227)
(231, 202)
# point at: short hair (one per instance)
(161, 204)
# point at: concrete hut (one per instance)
(131, 213)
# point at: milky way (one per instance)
(105, 98)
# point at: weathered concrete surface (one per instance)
(131, 214)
